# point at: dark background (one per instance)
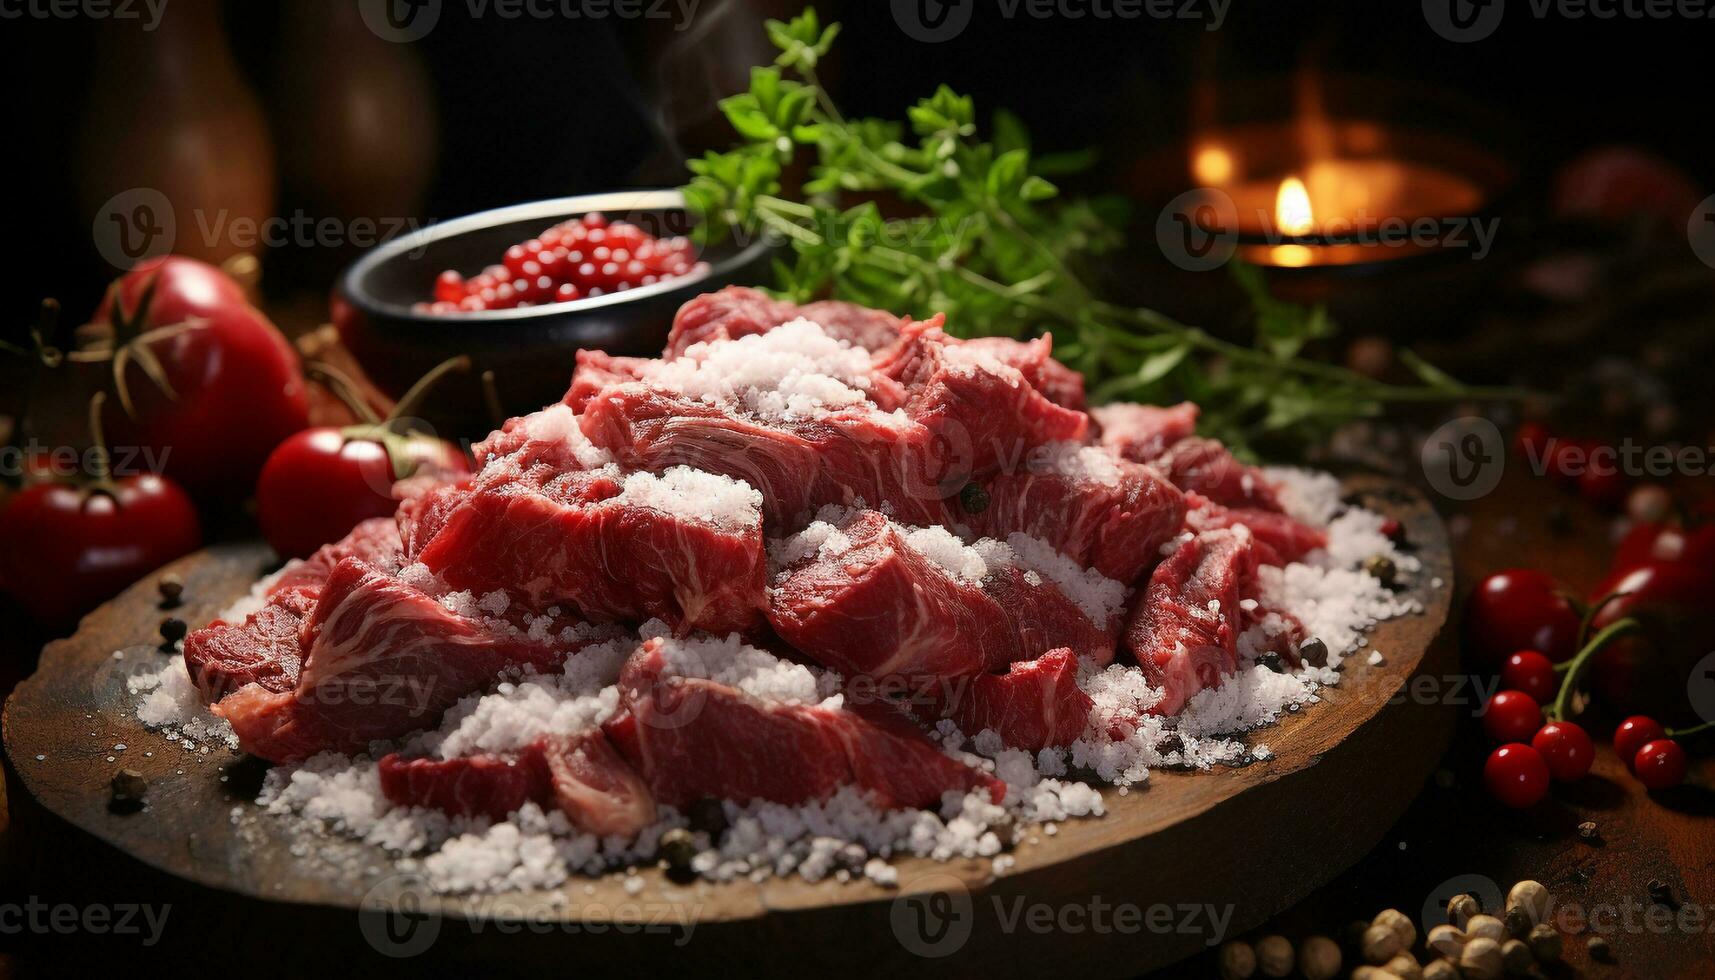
(539, 108)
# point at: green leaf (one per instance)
(1426, 372)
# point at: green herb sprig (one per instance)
(924, 216)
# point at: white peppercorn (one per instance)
(1401, 925)
(1274, 956)
(1319, 958)
(1481, 960)
(1380, 944)
(1486, 927)
(1532, 898)
(1447, 940)
(1238, 961)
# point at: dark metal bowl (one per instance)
(530, 350)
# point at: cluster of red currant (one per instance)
(576, 259)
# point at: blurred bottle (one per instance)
(357, 123)
(173, 152)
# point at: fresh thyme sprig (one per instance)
(924, 217)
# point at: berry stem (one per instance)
(344, 389)
(1575, 666)
(408, 402)
(1677, 733)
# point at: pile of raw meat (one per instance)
(765, 567)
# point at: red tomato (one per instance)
(1520, 609)
(1660, 764)
(322, 482)
(1674, 602)
(235, 387)
(1566, 748)
(1654, 542)
(1511, 716)
(65, 549)
(1516, 775)
(1532, 673)
(1632, 734)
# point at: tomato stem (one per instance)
(344, 389)
(491, 399)
(408, 402)
(103, 470)
(1590, 613)
(1575, 666)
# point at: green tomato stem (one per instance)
(1575, 666)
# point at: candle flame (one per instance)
(1292, 214)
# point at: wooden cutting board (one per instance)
(1181, 864)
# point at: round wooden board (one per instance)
(1189, 860)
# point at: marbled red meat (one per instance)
(879, 608)
(1033, 705)
(381, 659)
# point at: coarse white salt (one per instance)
(943, 548)
(1375, 658)
(794, 371)
(821, 538)
(171, 703)
(731, 661)
(1094, 464)
(1099, 597)
(692, 493)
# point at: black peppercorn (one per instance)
(172, 588)
(128, 786)
(1314, 652)
(173, 629)
(973, 498)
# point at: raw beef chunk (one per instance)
(693, 737)
(978, 406)
(1206, 467)
(1141, 433)
(867, 597)
(1185, 625)
(1034, 705)
(1289, 538)
(581, 775)
(685, 546)
(1104, 513)
(1034, 359)
(736, 312)
(381, 659)
(266, 647)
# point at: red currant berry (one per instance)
(1532, 673)
(1516, 775)
(449, 287)
(1660, 764)
(1633, 733)
(1566, 748)
(1512, 716)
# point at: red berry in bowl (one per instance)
(1516, 775)
(1566, 748)
(1532, 673)
(1660, 764)
(1512, 716)
(1633, 734)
